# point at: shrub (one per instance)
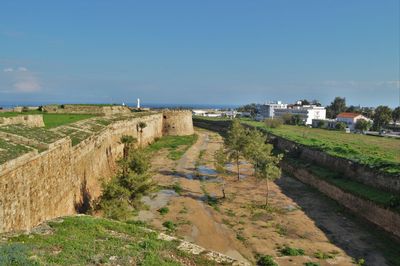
(25, 109)
(15, 254)
(273, 123)
(177, 188)
(340, 126)
(266, 260)
(170, 225)
(323, 256)
(288, 251)
(163, 210)
(311, 264)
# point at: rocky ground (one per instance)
(240, 226)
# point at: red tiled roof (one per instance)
(347, 115)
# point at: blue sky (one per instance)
(204, 52)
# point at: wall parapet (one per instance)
(27, 120)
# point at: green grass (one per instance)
(176, 145)
(380, 197)
(379, 153)
(55, 120)
(9, 150)
(36, 133)
(85, 240)
(375, 152)
(51, 120)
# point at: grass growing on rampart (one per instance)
(9, 150)
(51, 120)
(176, 145)
(85, 240)
(55, 120)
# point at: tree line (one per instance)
(250, 144)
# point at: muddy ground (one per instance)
(240, 226)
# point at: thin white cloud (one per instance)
(21, 80)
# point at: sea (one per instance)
(7, 105)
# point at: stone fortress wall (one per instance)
(63, 179)
(87, 109)
(28, 120)
(177, 122)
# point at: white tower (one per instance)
(138, 103)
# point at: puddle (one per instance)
(160, 199)
(204, 170)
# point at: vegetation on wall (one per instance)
(121, 195)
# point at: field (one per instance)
(51, 120)
(85, 240)
(376, 152)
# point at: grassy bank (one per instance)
(85, 240)
(380, 153)
(176, 145)
(380, 197)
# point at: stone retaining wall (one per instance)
(384, 218)
(349, 169)
(27, 120)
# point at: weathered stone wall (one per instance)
(38, 189)
(86, 109)
(346, 167)
(94, 159)
(28, 120)
(40, 186)
(177, 122)
(384, 218)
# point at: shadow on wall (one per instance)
(84, 205)
(343, 229)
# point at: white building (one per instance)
(306, 112)
(350, 119)
(267, 110)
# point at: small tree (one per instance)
(340, 126)
(141, 126)
(266, 164)
(236, 142)
(273, 122)
(396, 114)
(382, 117)
(128, 142)
(363, 125)
(287, 118)
(219, 164)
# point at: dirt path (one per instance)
(240, 226)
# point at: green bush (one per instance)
(311, 264)
(170, 225)
(273, 123)
(288, 251)
(15, 254)
(163, 210)
(266, 260)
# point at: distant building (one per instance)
(267, 110)
(306, 112)
(324, 123)
(350, 119)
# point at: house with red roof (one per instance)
(350, 119)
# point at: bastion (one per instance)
(62, 179)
